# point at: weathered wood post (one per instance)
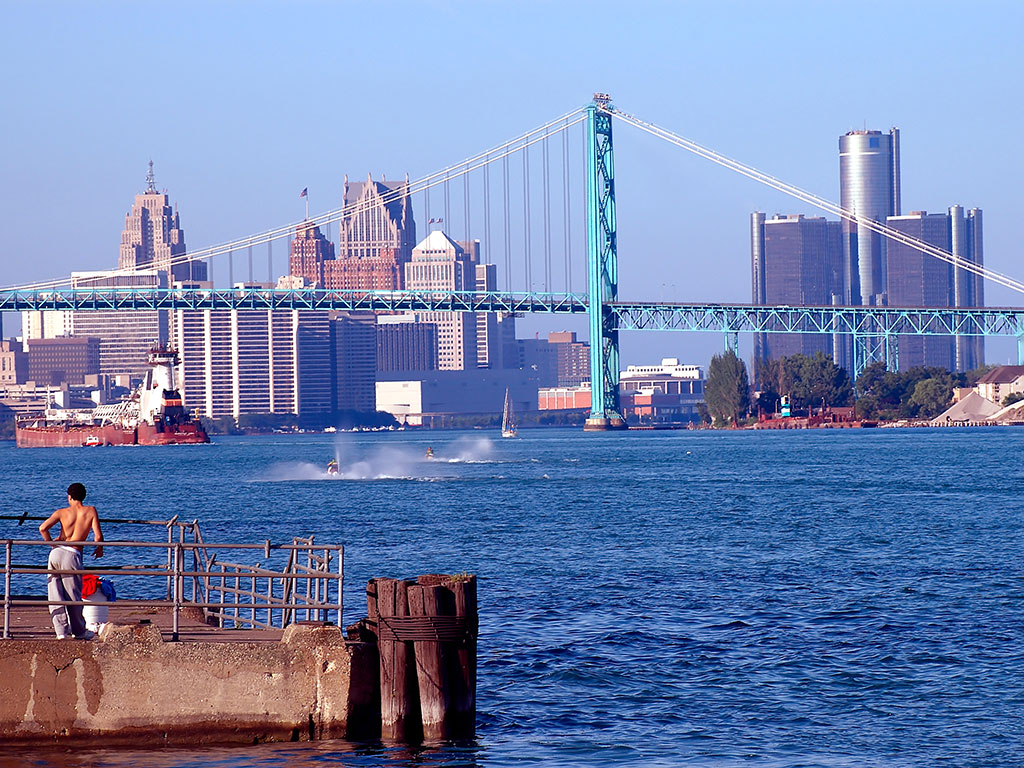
(462, 663)
(399, 703)
(445, 651)
(426, 600)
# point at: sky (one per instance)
(241, 105)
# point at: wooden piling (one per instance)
(446, 665)
(431, 672)
(426, 632)
(399, 703)
(462, 663)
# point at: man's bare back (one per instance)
(76, 521)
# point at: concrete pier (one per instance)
(130, 686)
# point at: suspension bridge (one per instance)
(874, 329)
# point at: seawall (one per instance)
(129, 686)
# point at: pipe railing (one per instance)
(235, 594)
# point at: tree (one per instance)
(1013, 397)
(727, 390)
(931, 397)
(817, 381)
(867, 406)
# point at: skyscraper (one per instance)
(153, 237)
(308, 252)
(438, 263)
(916, 279)
(869, 186)
(375, 241)
(378, 221)
(796, 261)
(354, 351)
(968, 288)
(488, 346)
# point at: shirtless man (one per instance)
(76, 520)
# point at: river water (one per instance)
(841, 598)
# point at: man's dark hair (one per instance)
(76, 491)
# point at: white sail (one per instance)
(508, 424)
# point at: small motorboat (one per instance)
(430, 452)
(332, 467)
(92, 441)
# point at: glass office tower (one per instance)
(869, 181)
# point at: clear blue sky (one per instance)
(241, 105)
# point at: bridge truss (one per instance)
(728, 319)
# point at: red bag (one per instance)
(90, 584)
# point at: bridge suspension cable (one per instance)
(819, 202)
(439, 178)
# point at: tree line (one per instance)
(813, 382)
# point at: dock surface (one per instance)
(32, 622)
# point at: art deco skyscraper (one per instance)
(378, 220)
(869, 181)
(308, 251)
(375, 240)
(153, 237)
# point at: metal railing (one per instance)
(307, 585)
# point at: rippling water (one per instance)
(651, 599)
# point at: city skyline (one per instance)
(210, 166)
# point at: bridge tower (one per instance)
(602, 270)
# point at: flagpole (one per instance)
(307, 206)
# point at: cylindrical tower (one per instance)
(869, 187)
(757, 267)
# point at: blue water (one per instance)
(647, 599)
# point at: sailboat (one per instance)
(508, 424)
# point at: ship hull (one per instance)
(54, 436)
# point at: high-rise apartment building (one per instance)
(916, 279)
(47, 324)
(438, 263)
(126, 336)
(869, 186)
(572, 358)
(405, 344)
(798, 261)
(153, 237)
(488, 343)
(254, 361)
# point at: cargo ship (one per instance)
(152, 415)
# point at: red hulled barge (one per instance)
(152, 415)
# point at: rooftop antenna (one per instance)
(150, 179)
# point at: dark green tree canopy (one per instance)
(727, 389)
(812, 381)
